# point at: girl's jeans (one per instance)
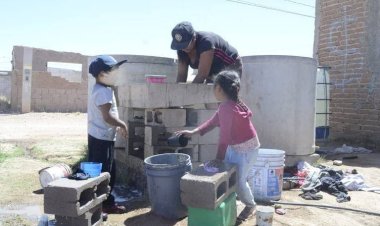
(244, 162)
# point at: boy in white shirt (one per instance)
(103, 121)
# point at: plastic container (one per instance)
(52, 173)
(223, 215)
(155, 78)
(91, 168)
(178, 141)
(264, 215)
(322, 132)
(164, 172)
(266, 176)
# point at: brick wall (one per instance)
(348, 40)
(55, 94)
(49, 93)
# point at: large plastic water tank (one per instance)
(322, 103)
(280, 90)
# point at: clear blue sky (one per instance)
(143, 27)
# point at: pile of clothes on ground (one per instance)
(312, 180)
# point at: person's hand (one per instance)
(186, 133)
(123, 131)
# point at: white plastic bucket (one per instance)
(264, 215)
(52, 173)
(265, 178)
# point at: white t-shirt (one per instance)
(97, 127)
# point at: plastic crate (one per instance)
(223, 215)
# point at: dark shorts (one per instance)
(103, 151)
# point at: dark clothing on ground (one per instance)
(225, 55)
(103, 151)
(330, 182)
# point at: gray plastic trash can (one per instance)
(164, 172)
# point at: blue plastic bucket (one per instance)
(91, 168)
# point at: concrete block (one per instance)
(193, 140)
(201, 189)
(155, 135)
(91, 218)
(136, 131)
(73, 198)
(158, 135)
(212, 137)
(147, 95)
(136, 148)
(207, 152)
(166, 117)
(195, 117)
(134, 115)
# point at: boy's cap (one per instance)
(103, 63)
(182, 34)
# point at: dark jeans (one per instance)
(103, 151)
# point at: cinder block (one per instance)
(136, 148)
(134, 115)
(158, 135)
(201, 189)
(91, 218)
(212, 137)
(73, 198)
(136, 131)
(148, 95)
(192, 141)
(195, 117)
(155, 135)
(207, 152)
(166, 117)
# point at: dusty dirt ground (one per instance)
(29, 142)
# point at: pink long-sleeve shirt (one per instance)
(235, 125)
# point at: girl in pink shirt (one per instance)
(238, 141)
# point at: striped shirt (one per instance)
(224, 53)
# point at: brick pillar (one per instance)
(348, 40)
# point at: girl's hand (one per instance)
(187, 133)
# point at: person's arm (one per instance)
(111, 119)
(182, 70)
(202, 129)
(205, 62)
(209, 124)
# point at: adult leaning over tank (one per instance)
(205, 51)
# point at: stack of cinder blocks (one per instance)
(77, 202)
(155, 111)
(206, 191)
(201, 189)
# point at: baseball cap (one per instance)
(182, 34)
(103, 63)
